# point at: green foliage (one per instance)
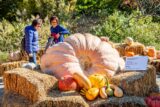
(3, 57)
(89, 7)
(119, 25)
(98, 16)
(10, 35)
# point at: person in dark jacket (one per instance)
(31, 39)
(57, 32)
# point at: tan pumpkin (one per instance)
(83, 53)
(129, 41)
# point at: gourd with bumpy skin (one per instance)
(97, 80)
(83, 53)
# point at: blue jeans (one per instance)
(33, 58)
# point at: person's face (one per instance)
(38, 26)
(54, 23)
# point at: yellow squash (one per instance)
(97, 80)
(92, 93)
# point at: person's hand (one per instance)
(57, 35)
(30, 55)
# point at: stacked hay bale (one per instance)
(130, 46)
(30, 84)
(10, 65)
(138, 83)
(156, 64)
(121, 48)
(32, 88)
(72, 99)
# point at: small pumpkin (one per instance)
(109, 91)
(129, 41)
(151, 51)
(97, 80)
(92, 93)
(129, 54)
(67, 83)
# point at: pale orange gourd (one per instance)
(117, 91)
(151, 51)
(83, 53)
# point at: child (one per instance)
(57, 32)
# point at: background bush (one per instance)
(114, 18)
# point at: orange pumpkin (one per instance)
(67, 83)
(129, 54)
(151, 51)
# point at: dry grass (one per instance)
(30, 84)
(24, 55)
(156, 64)
(10, 65)
(137, 83)
(71, 99)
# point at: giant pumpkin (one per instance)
(82, 53)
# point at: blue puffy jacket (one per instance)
(31, 39)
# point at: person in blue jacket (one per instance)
(57, 32)
(31, 39)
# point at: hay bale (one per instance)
(126, 101)
(156, 90)
(137, 48)
(54, 99)
(156, 64)
(24, 55)
(121, 48)
(10, 65)
(71, 99)
(11, 99)
(30, 84)
(137, 83)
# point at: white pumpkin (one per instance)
(83, 53)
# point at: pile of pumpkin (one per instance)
(95, 85)
(149, 51)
